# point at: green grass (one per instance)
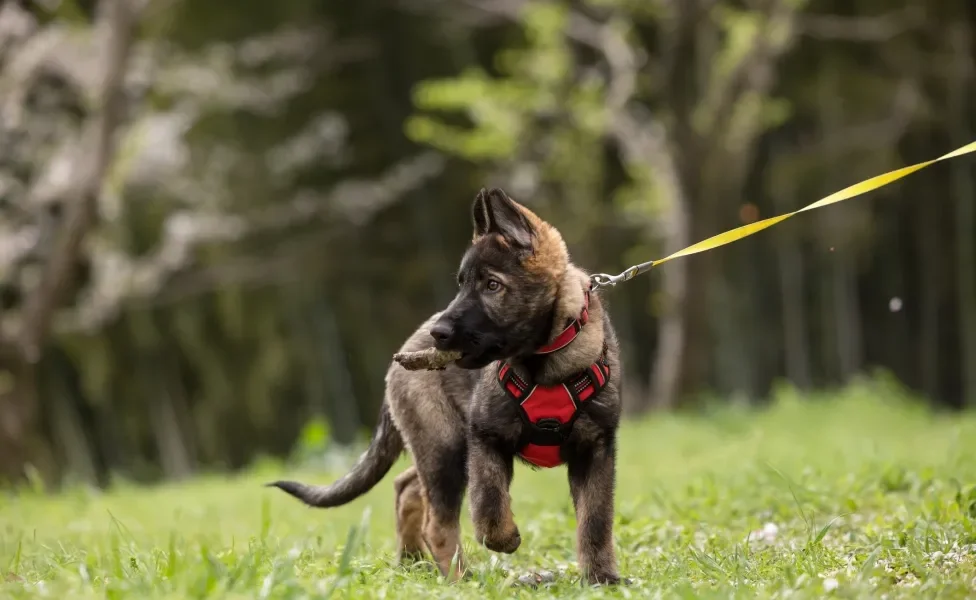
(866, 493)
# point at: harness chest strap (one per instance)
(548, 412)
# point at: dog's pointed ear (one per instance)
(480, 216)
(494, 212)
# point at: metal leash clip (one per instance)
(599, 280)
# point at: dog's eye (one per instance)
(493, 285)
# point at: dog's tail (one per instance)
(372, 466)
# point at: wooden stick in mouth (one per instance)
(431, 359)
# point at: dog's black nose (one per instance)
(441, 332)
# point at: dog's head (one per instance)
(507, 284)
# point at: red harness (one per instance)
(549, 411)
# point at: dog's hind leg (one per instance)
(591, 482)
(433, 430)
(444, 478)
(410, 511)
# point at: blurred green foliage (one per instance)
(628, 125)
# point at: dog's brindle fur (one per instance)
(517, 290)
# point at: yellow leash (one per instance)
(603, 279)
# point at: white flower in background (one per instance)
(830, 584)
(767, 534)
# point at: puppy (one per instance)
(537, 379)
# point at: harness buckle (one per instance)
(549, 424)
(548, 432)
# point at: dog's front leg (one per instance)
(490, 475)
(591, 482)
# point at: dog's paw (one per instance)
(407, 557)
(606, 579)
(497, 541)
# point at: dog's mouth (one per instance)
(481, 358)
(471, 361)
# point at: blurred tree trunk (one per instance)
(927, 224)
(666, 367)
(843, 276)
(678, 361)
(168, 417)
(964, 195)
(342, 401)
(63, 407)
(717, 127)
(826, 317)
(733, 363)
(848, 316)
(789, 262)
(18, 403)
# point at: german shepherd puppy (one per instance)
(518, 293)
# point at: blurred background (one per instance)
(219, 219)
